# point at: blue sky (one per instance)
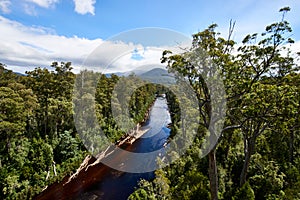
(35, 32)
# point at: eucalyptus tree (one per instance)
(54, 90)
(251, 100)
(261, 57)
(209, 55)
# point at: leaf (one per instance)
(285, 9)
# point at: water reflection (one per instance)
(119, 185)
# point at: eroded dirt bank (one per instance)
(92, 171)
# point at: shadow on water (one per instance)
(117, 185)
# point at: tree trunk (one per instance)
(248, 150)
(213, 174)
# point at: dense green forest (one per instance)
(256, 156)
(39, 141)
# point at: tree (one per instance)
(7, 76)
(27, 159)
(260, 61)
(12, 117)
(245, 192)
(214, 54)
(247, 77)
(54, 91)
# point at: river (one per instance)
(118, 185)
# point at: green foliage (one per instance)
(257, 155)
(54, 91)
(145, 191)
(173, 105)
(67, 147)
(139, 102)
(259, 144)
(245, 192)
(35, 114)
(267, 179)
(292, 183)
(7, 76)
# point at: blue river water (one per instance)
(118, 185)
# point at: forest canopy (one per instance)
(255, 157)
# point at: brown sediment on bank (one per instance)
(132, 136)
(90, 171)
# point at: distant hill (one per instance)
(158, 75)
(19, 74)
(155, 75)
(155, 72)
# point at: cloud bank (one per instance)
(24, 47)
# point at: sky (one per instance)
(34, 33)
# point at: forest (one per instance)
(255, 157)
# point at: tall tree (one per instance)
(243, 74)
(209, 55)
(54, 91)
(258, 61)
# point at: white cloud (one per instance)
(110, 57)
(30, 10)
(85, 6)
(4, 6)
(151, 59)
(44, 3)
(106, 54)
(295, 48)
(116, 56)
(23, 48)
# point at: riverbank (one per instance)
(119, 185)
(91, 169)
